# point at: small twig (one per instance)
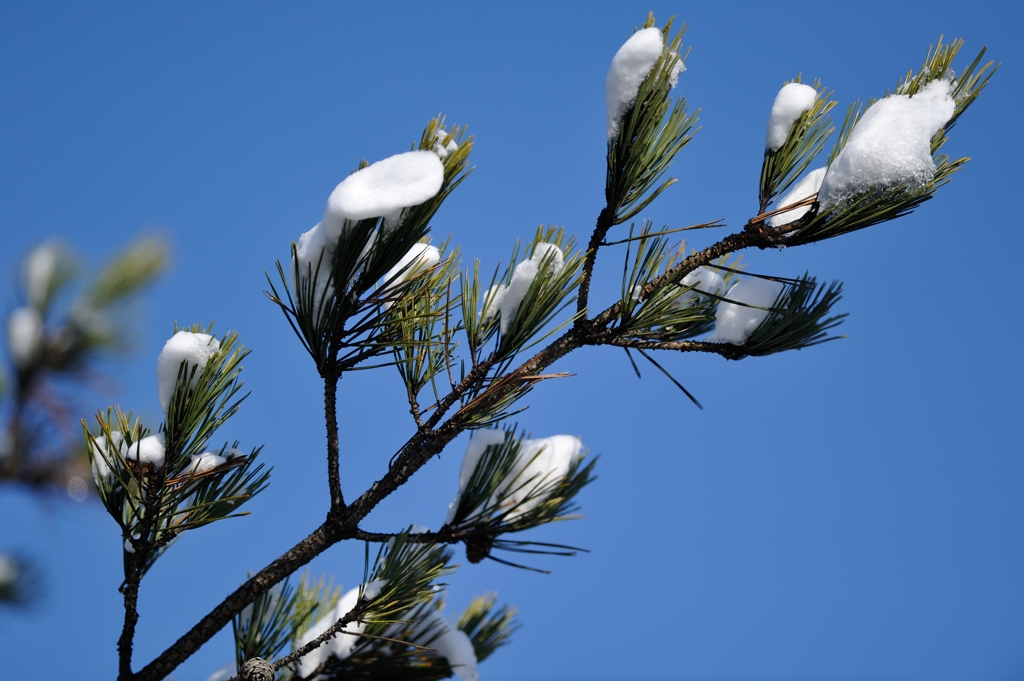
(705, 225)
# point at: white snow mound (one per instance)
(24, 336)
(148, 450)
(540, 464)
(184, 346)
(630, 66)
(735, 323)
(890, 146)
(807, 185)
(384, 188)
(505, 300)
(340, 646)
(791, 102)
(705, 281)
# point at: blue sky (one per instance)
(852, 511)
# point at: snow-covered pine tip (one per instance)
(148, 450)
(539, 466)
(705, 283)
(790, 104)
(505, 300)
(194, 348)
(890, 147)
(24, 336)
(630, 66)
(450, 642)
(479, 441)
(340, 646)
(419, 258)
(384, 189)
(808, 185)
(735, 323)
(101, 457)
(207, 461)
(442, 149)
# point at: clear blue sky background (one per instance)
(853, 511)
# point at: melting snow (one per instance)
(890, 146)
(735, 323)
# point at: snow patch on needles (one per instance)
(148, 450)
(478, 444)
(704, 281)
(890, 146)
(540, 463)
(808, 185)
(791, 103)
(194, 348)
(505, 300)
(372, 588)
(314, 256)
(204, 462)
(442, 150)
(630, 66)
(452, 644)
(385, 188)
(24, 336)
(100, 467)
(735, 323)
(420, 258)
(340, 646)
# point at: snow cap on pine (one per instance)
(384, 189)
(195, 349)
(790, 104)
(890, 147)
(735, 323)
(630, 66)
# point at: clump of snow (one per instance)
(735, 323)
(791, 103)
(98, 444)
(808, 185)
(314, 257)
(128, 543)
(194, 349)
(478, 444)
(340, 646)
(443, 149)
(224, 672)
(539, 463)
(39, 269)
(24, 336)
(890, 147)
(705, 283)
(630, 66)
(372, 588)
(204, 462)
(420, 257)
(384, 188)
(234, 453)
(148, 450)
(451, 643)
(505, 300)
(8, 570)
